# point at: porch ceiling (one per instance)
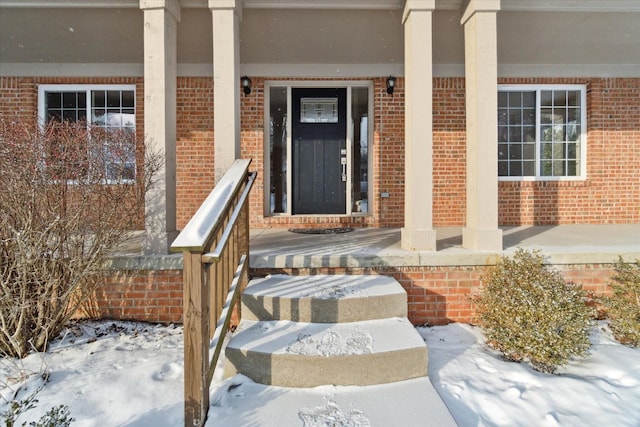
(302, 36)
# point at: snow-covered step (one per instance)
(324, 298)
(299, 354)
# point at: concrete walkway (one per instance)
(376, 247)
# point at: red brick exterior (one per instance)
(150, 296)
(610, 194)
(436, 295)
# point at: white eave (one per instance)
(509, 5)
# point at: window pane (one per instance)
(529, 168)
(98, 98)
(558, 168)
(69, 100)
(502, 100)
(278, 148)
(559, 98)
(54, 115)
(54, 100)
(546, 116)
(546, 98)
(69, 115)
(503, 134)
(503, 168)
(529, 99)
(515, 152)
(128, 99)
(529, 151)
(502, 116)
(515, 99)
(515, 117)
(572, 168)
(529, 134)
(529, 117)
(113, 98)
(558, 151)
(515, 168)
(515, 133)
(503, 151)
(360, 164)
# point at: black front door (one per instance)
(319, 166)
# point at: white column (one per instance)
(481, 70)
(161, 19)
(226, 15)
(418, 233)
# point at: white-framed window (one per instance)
(111, 107)
(542, 132)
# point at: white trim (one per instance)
(71, 70)
(289, 85)
(583, 130)
(88, 88)
(318, 70)
(572, 5)
(569, 70)
(44, 88)
(322, 70)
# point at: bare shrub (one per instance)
(69, 195)
(623, 306)
(529, 313)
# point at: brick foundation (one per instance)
(436, 295)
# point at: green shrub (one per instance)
(529, 313)
(623, 306)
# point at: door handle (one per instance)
(343, 162)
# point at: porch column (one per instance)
(226, 15)
(161, 19)
(418, 233)
(481, 70)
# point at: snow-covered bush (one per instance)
(69, 195)
(623, 306)
(529, 313)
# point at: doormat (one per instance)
(321, 230)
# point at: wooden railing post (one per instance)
(196, 347)
(215, 247)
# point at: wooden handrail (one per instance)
(215, 249)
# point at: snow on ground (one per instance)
(130, 374)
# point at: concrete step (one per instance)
(324, 298)
(299, 354)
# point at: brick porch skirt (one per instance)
(436, 295)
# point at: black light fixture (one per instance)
(391, 84)
(246, 84)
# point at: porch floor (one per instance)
(377, 247)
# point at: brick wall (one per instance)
(150, 296)
(449, 152)
(611, 193)
(194, 145)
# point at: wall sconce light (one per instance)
(246, 84)
(391, 84)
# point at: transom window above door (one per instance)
(542, 132)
